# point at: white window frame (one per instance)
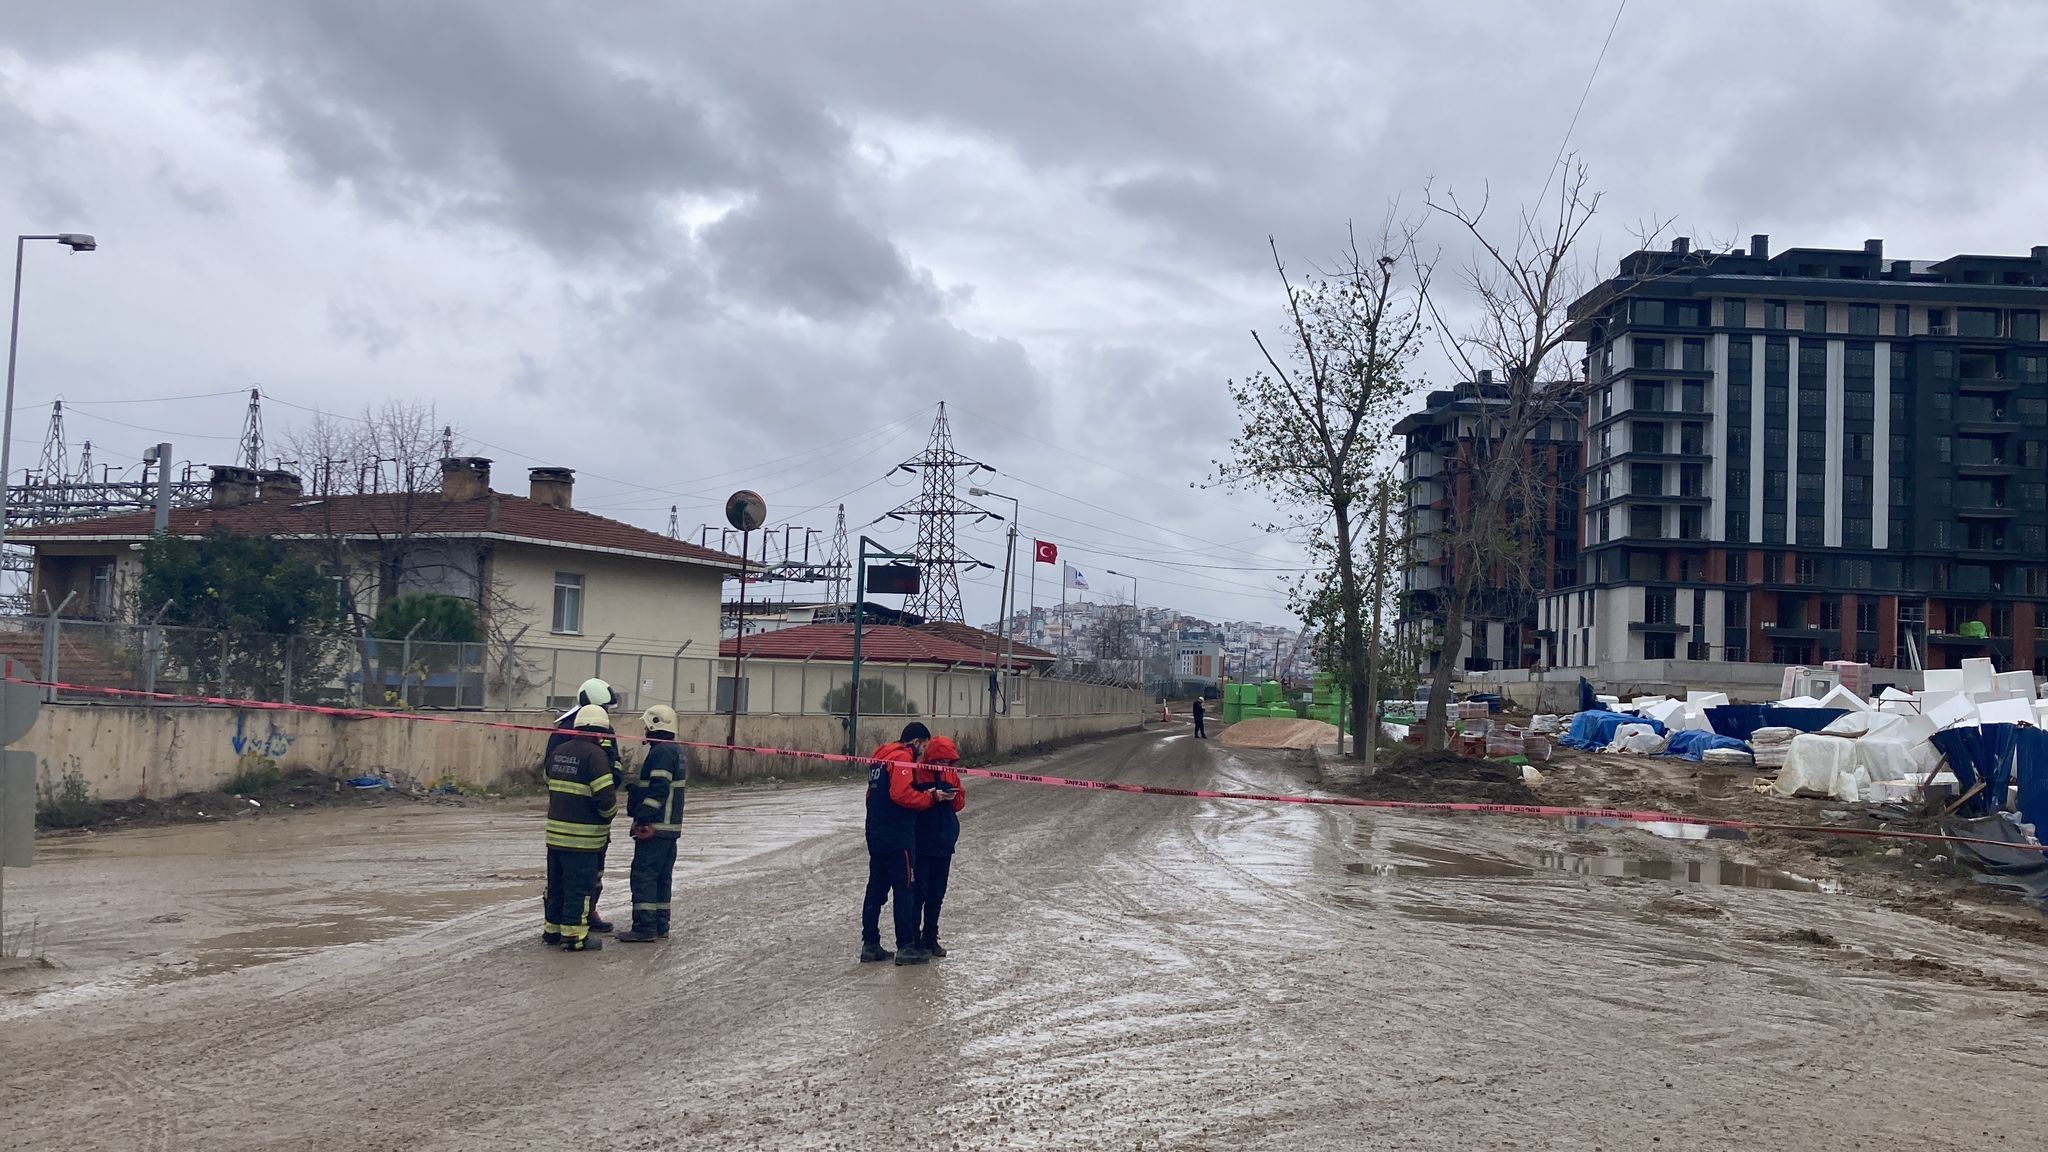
(563, 624)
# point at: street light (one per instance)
(1137, 622)
(1009, 587)
(77, 242)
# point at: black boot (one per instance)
(638, 936)
(587, 944)
(551, 938)
(912, 954)
(599, 923)
(935, 950)
(871, 953)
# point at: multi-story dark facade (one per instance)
(1438, 454)
(1815, 455)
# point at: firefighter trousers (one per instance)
(654, 866)
(573, 876)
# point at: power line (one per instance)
(1569, 128)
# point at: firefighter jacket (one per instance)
(894, 799)
(564, 732)
(583, 795)
(657, 794)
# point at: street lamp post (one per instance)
(77, 242)
(1137, 622)
(1009, 587)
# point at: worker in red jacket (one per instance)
(893, 801)
(938, 831)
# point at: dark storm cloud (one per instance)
(799, 248)
(769, 224)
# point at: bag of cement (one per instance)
(1727, 756)
(1395, 733)
(1546, 725)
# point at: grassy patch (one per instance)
(68, 804)
(253, 774)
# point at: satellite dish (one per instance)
(746, 510)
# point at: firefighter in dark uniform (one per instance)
(655, 805)
(894, 801)
(593, 691)
(583, 796)
(938, 832)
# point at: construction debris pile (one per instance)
(1972, 736)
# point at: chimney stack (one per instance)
(1874, 248)
(231, 487)
(2041, 252)
(278, 484)
(465, 478)
(551, 486)
(1680, 245)
(1760, 245)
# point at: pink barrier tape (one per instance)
(1545, 811)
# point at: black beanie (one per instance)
(914, 731)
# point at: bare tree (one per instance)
(1523, 279)
(1312, 422)
(1118, 639)
(377, 478)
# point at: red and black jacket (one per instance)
(894, 800)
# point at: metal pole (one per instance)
(405, 665)
(7, 426)
(162, 521)
(739, 655)
(860, 599)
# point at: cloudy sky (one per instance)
(689, 247)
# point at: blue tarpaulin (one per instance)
(2030, 763)
(1693, 745)
(1595, 730)
(1984, 753)
(1742, 720)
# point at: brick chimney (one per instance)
(231, 487)
(278, 484)
(1760, 245)
(551, 486)
(465, 478)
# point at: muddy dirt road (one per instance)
(1127, 972)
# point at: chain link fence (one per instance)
(365, 672)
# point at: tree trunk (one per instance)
(1446, 661)
(1365, 715)
(1347, 593)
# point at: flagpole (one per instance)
(1066, 643)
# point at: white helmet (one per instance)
(660, 718)
(593, 716)
(596, 691)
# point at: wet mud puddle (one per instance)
(1393, 857)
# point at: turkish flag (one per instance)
(1044, 552)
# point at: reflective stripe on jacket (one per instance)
(583, 795)
(657, 794)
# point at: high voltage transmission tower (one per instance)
(841, 588)
(251, 454)
(937, 506)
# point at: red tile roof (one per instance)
(496, 516)
(880, 643)
(980, 638)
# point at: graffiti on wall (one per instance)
(271, 745)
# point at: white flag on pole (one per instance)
(1076, 578)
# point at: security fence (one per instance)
(367, 672)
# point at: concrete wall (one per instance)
(126, 751)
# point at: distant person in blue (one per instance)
(1201, 714)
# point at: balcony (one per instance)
(1659, 627)
(1797, 631)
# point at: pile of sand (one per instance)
(1272, 732)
